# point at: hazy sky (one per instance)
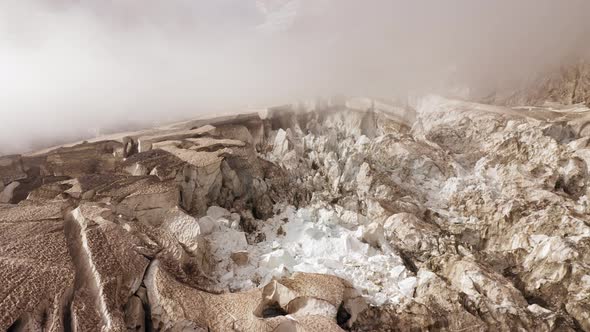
(68, 67)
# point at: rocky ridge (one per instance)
(566, 85)
(358, 214)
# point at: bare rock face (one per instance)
(567, 85)
(358, 215)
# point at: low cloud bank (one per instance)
(69, 69)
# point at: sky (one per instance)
(70, 69)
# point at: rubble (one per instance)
(359, 215)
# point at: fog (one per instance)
(71, 69)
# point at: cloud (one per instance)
(69, 67)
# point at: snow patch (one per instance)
(313, 240)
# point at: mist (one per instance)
(73, 69)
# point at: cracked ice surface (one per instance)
(461, 216)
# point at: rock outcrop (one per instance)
(567, 85)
